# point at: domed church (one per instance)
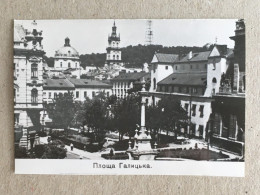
(66, 58)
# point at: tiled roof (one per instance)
(19, 33)
(222, 49)
(166, 58)
(200, 56)
(63, 84)
(88, 83)
(187, 79)
(131, 76)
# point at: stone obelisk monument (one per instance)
(143, 140)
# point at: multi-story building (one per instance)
(227, 121)
(28, 80)
(87, 88)
(126, 81)
(81, 88)
(192, 79)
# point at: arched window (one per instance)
(214, 80)
(76, 64)
(113, 57)
(34, 95)
(154, 83)
(60, 64)
(117, 57)
(69, 64)
(34, 71)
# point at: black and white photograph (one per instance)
(121, 96)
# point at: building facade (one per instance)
(192, 79)
(28, 80)
(66, 61)
(81, 88)
(124, 83)
(227, 121)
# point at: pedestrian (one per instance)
(71, 146)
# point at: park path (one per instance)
(83, 154)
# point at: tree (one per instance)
(62, 111)
(54, 150)
(168, 114)
(127, 115)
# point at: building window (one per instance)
(85, 94)
(186, 107)
(194, 110)
(166, 88)
(76, 64)
(34, 71)
(213, 91)
(34, 95)
(61, 64)
(44, 94)
(154, 68)
(201, 111)
(206, 65)
(176, 67)
(214, 64)
(55, 95)
(69, 64)
(93, 94)
(108, 94)
(77, 94)
(113, 57)
(214, 80)
(166, 67)
(117, 57)
(190, 66)
(200, 131)
(194, 90)
(179, 90)
(172, 88)
(49, 94)
(187, 89)
(154, 83)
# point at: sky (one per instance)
(90, 36)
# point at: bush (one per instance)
(20, 152)
(42, 134)
(116, 156)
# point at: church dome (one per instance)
(67, 51)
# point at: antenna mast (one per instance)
(149, 33)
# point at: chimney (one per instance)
(190, 55)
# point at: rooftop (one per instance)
(199, 56)
(187, 79)
(131, 76)
(63, 84)
(88, 83)
(166, 58)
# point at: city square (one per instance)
(142, 101)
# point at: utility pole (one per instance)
(149, 33)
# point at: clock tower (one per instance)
(113, 57)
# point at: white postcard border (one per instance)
(129, 167)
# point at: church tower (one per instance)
(113, 57)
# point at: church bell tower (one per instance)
(113, 57)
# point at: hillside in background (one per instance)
(135, 56)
